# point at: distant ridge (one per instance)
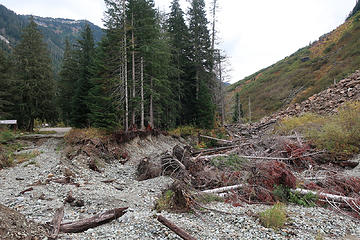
(55, 31)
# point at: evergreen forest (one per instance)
(150, 69)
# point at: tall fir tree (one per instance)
(35, 82)
(85, 53)
(115, 55)
(102, 110)
(5, 83)
(6, 96)
(67, 81)
(202, 61)
(238, 111)
(179, 41)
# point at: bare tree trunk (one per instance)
(239, 110)
(221, 93)
(151, 111)
(133, 69)
(213, 26)
(142, 92)
(125, 74)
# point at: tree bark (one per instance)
(125, 74)
(151, 110)
(97, 220)
(133, 70)
(142, 93)
(180, 232)
(223, 189)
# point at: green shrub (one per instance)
(274, 217)
(283, 194)
(338, 133)
(307, 200)
(6, 136)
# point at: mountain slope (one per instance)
(304, 73)
(55, 31)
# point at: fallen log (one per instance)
(180, 232)
(56, 222)
(324, 195)
(26, 190)
(94, 221)
(222, 189)
(216, 139)
(214, 149)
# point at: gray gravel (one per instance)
(139, 222)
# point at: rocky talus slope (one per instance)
(325, 102)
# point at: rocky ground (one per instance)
(124, 190)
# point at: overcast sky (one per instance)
(254, 33)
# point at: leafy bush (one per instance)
(283, 194)
(341, 132)
(338, 133)
(274, 217)
(307, 200)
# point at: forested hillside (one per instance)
(54, 30)
(302, 74)
(150, 69)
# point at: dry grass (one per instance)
(76, 136)
(274, 217)
(338, 133)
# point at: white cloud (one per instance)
(255, 34)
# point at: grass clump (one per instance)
(24, 157)
(6, 136)
(208, 198)
(232, 162)
(299, 124)
(274, 217)
(165, 201)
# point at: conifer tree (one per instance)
(85, 57)
(202, 61)
(115, 55)
(6, 99)
(67, 81)
(179, 41)
(102, 111)
(34, 80)
(238, 111)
